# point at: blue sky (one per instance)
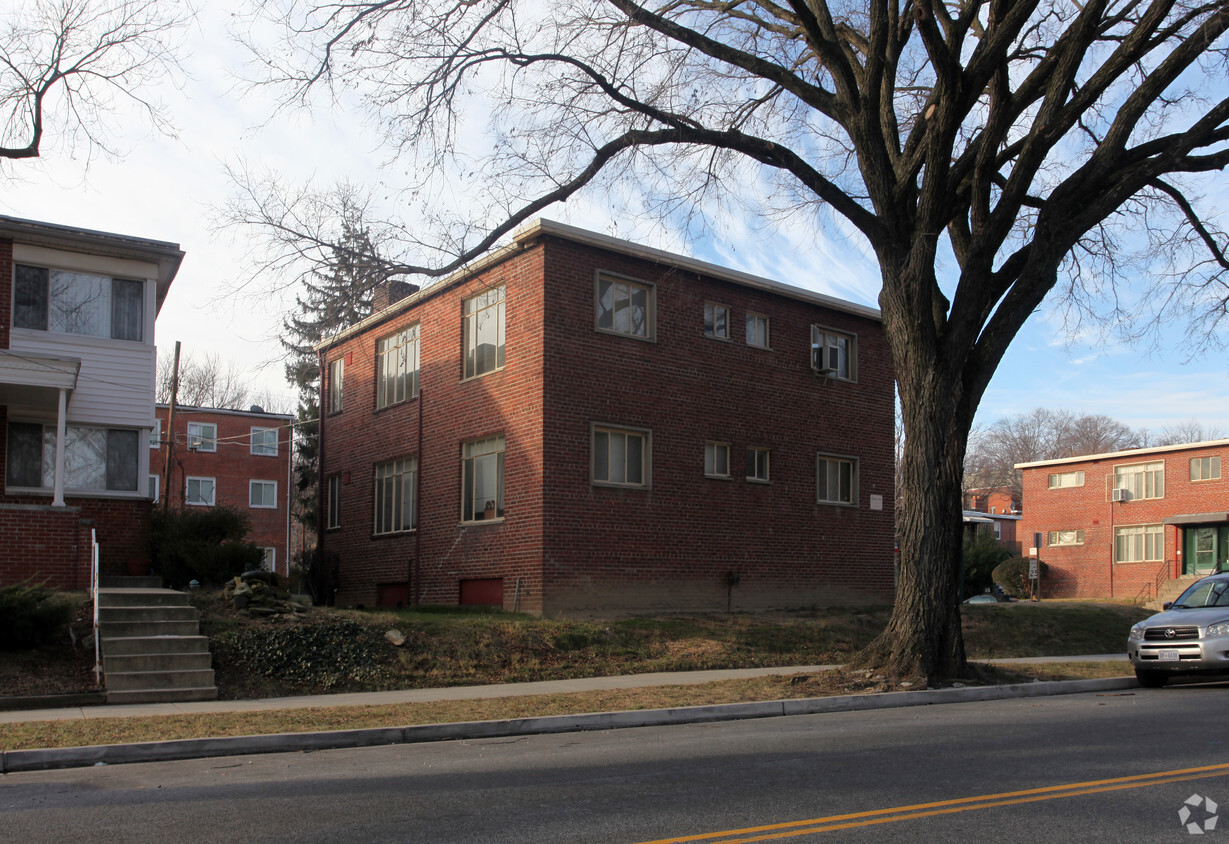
(164, 188)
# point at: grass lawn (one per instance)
(76, 733)
(346, 651)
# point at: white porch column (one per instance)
(61, 426)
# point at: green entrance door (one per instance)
(1206, 551)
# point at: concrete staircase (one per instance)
(152, 650)
(1171, 589)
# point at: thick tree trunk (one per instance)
(923, 638)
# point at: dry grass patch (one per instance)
(77, 733)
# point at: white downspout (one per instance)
(61, 426)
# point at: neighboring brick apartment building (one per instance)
(236, 457)
(1121, 524)
(77, 361)
(577, 424)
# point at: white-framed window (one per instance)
(836, 480)
(482, 485)
(397, 367)
(153, 487)
(332, 510)
(1205, 468)
(1064, 480)
(834, 353)
(621, 456)
(155, 434)
(717, 460)
(484, 332)
(78, 303)
(625, 307)
(1141, 480)
(1058, 538)
(268, 558)
(202, 436)
(758, 465)
(716, 321)
(262, 495)
(757, 331)
(396, 494)
(1139, 543)
(95, 459)
(200, 492)
(264, 442)
(337, 380)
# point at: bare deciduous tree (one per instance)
(989, 152)
(1188, 431)
(1041, 434)
(67, 65)
(206, 383)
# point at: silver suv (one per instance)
(1190, 637)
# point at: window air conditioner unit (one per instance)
(1118, 495)
(821, 363)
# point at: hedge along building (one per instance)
(1135, 524)
(577, 424)
(77, 360)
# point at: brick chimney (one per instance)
(390, 292)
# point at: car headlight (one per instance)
(1136, 634)
(1217, 630)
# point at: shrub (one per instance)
(30, 614)
(982, 554)
(319, 656)
(316, 572)
(207, 545)
(1013, 576)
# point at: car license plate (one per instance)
(1167, 656)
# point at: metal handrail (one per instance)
(94, 595)
(1153, 590)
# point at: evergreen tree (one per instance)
(335, 297)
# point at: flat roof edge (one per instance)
(544, 226)
(1130, 452)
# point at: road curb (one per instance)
(15, 761)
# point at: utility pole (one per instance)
(170, 432)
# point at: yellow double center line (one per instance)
(831, 823)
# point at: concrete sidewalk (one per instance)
(13, 761)
(496, 690)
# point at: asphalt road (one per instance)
(1115, 766)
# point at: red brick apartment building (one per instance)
(577, 424)
(77, 361)
(1124, 524)
(235, 457)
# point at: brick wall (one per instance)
(1089, 570)
(6, 290)
(675, 545)
(233, 467)
(569, 546)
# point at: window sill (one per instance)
(760, 481)
(609, 332)
(467, 378)
(396, 404)
(718, 339)
(761, 348)
(719, 477)
(609, 485)
(392, 534)
(78, 493)
(498, 520)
